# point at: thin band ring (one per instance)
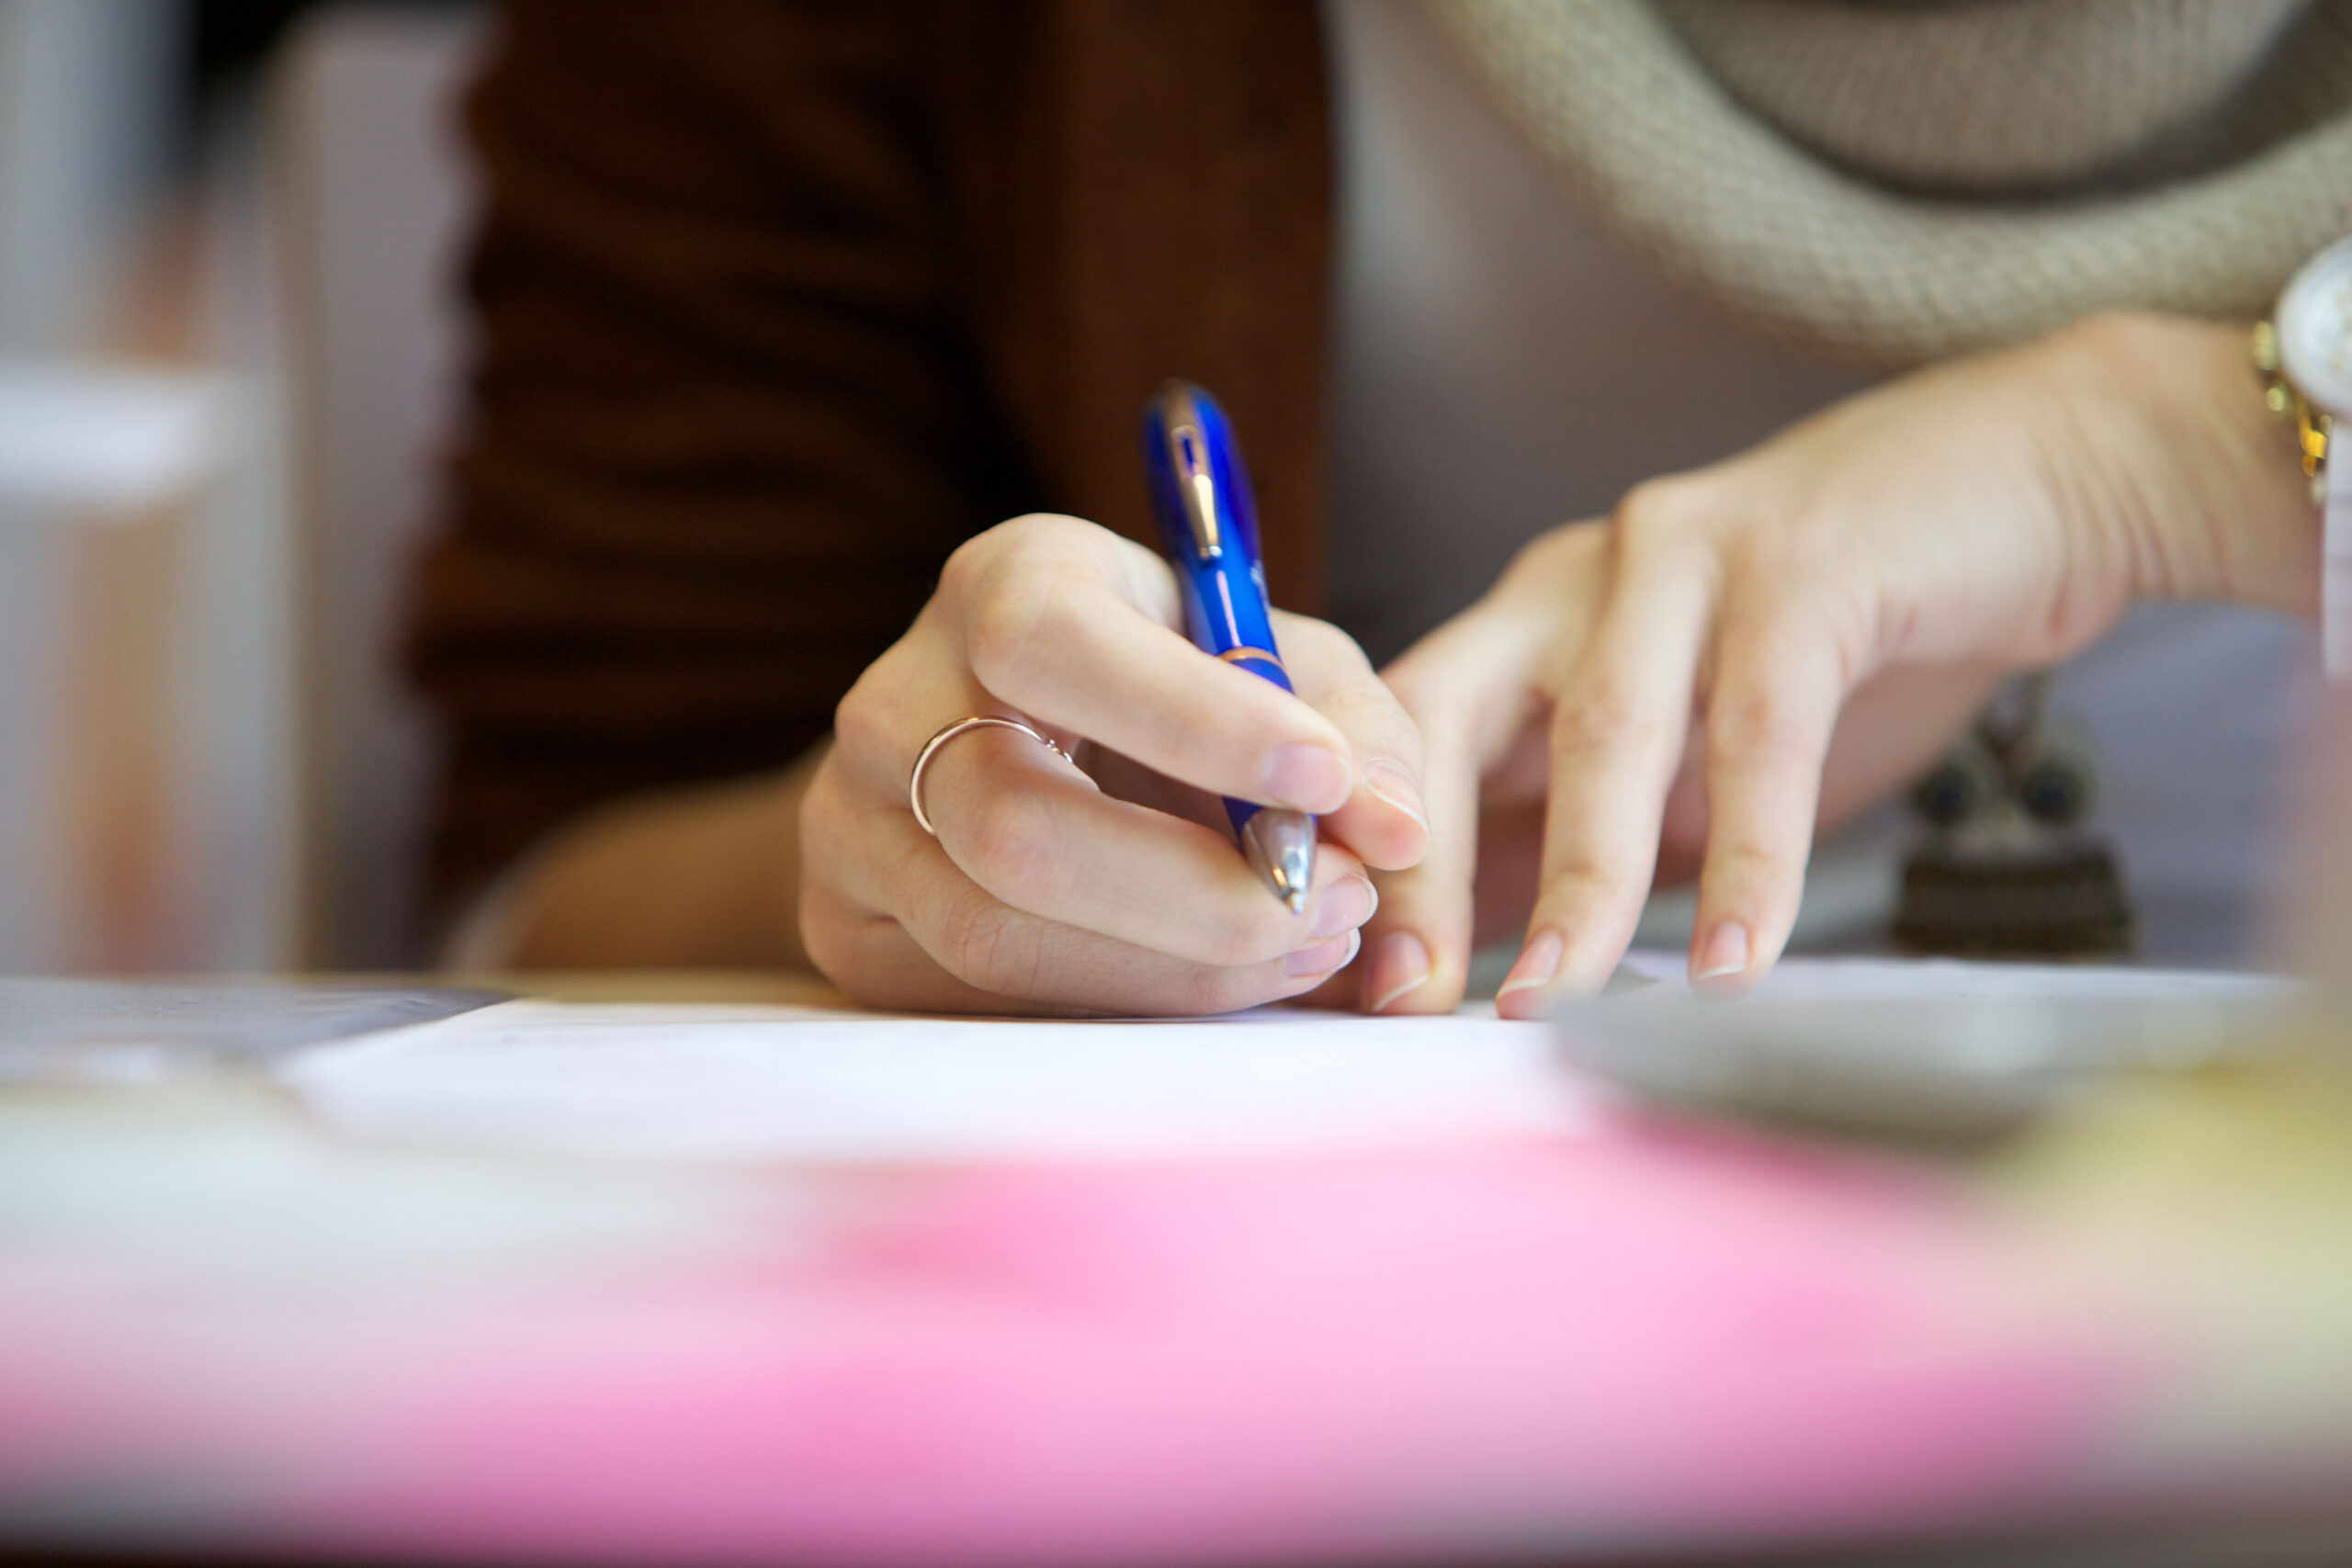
(930, 749)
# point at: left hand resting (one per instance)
(1744, 652)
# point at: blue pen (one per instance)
(1209, 527)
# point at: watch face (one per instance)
(2315, 330)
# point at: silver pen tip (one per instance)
(1281, 846)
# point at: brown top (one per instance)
(781, 301)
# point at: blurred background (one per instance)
(229, 355)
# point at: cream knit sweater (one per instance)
(1898, 181)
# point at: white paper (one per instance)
(806, 1085)
(713, 1083)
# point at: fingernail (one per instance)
(1304, 777)
(1345, 905)
(1400, 965)
(1324, 957)
(1725, 953)
(1536, 966)
(1391, 783)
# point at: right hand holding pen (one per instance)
(1115, 889)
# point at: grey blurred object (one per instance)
(85, 111)
(139, 1031)
(1947, 1072)
(372, 201)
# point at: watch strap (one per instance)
(2336, 570)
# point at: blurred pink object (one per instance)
(1644, 1338)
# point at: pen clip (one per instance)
(1188, 453)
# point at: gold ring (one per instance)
(931, 746)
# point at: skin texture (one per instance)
(1734, 658)
(1045, 889)
(1741, 655)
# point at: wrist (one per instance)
(2194, 472)
(701, 877)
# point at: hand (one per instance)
(1779, 638)
(1117, 889)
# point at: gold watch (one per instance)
(2304, 353)
(2312, 428)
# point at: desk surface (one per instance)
(221, 1324)
(592, 985)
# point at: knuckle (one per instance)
(1746, 862)
(1601, 715)
(1228, 944)
(985, 553)
(1590, 877)
(1013, 615)
(832, 946)
(822, 827)
(970, 563)
(1546, 555)
(1789, 572)
(1853, 628)
(1224, 990)
(1658, 510)
(981, 559)
(1753, 726)
(1017, 849)
(994, 950)
(865, 722)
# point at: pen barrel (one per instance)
(1223, 625)
(1208, 527)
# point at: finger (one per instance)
(1779, 681)
(871, 957)
(1038, 835)
(863, 953)
(1893, 724)
(986, 952)
(892, 970)
(1054, 630)
(1469, 687)
(1384, 821)
(1618, 729)
(863, 859)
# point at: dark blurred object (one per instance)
(780, 304)
(2007, 869)
(229, 39)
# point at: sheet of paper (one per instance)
(771, 1083)
(733, 1083)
